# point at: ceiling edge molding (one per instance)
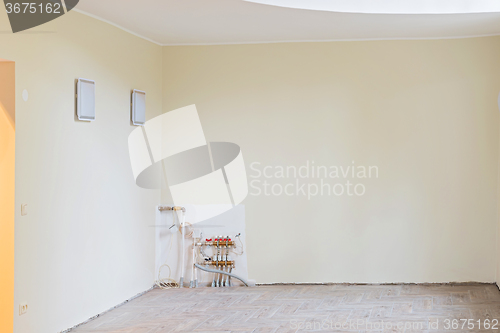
(116, 26)
(335, 40)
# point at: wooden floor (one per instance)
(327, 308)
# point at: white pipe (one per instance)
(221, 272)
(192, 283)
(217, 261)
(215, 275)
(213, 280)
(226, 269)
(183, 247)
(228, 281)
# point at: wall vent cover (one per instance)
(85, 100)
(138, 107)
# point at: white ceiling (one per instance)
(391, 6)
(177, 22)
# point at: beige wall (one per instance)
(86, 244)
(424, 112)
(7, 192)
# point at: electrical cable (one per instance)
(183, 248)
(239, 252)
(166, 283)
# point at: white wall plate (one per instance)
(138, 107)
(85, 105)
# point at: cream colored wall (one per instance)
(424, 112)
(7, 191)
(86, 244)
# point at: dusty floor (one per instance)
(333, 308)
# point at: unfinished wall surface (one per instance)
(7, 191)
(86, 244)
(423, 113)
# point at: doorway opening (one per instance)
(7, 192)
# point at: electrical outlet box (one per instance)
(24, 209)
(23, 308)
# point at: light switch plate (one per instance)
(24, 209)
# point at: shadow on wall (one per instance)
(7, 190)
